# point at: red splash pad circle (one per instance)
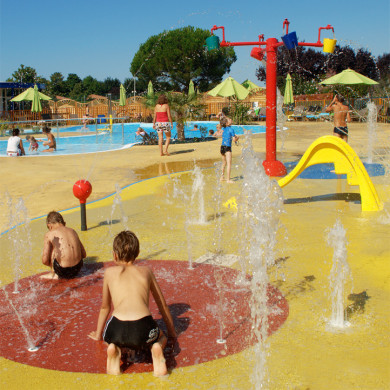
(59, 315)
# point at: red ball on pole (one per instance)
(81, 190)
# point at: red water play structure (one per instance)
(272, 166)
(81, 190)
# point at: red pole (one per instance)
(272, 166)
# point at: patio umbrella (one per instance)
(229, 88)
(191, 89)
(348, 76)
(288, 91)
(28, 94)
(250, 86)
(122, 95)
(150, 89)
(36, 102)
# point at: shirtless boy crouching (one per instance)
(63, 251)
(127, 287)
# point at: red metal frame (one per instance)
(272, 166)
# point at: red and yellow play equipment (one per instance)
(331, 149)
(272, 166)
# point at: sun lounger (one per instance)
(298, 114)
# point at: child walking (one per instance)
(228, 136)
(126, 287)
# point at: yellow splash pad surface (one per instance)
(305, 353)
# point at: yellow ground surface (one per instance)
(306, 352)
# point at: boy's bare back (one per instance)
(129, 287)
(62, 244)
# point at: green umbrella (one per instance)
(251, 86)
(191, 89)
(28, 94)
(228, 88)
(122, 96)
(150, 89)
(288, 91)
(348, 76)
(36, 102)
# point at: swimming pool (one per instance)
(92, 141)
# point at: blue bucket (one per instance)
(290, 40)
(212, 42)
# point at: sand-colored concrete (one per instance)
(304, 353)
(45, 183)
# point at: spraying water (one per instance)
(197, 196)
(372, 126)
(280, 119)
(20, 236)
(30, 342)
(339, 274)
(117, 204)
(259, 207)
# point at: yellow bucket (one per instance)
(329, 45)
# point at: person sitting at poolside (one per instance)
(63, 251)
(33, 143)
(140, 132)
(15, 145)
(51, 141)
(126, 287)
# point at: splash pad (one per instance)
(301, 274)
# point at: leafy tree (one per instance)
(71, 81)
(25, 74)
(183, 107)
(171, 59)
(56, 84)
(308, 67)
(92, 86)
(111, 85)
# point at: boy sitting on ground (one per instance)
(127, 287)
(63, 251)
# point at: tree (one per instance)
(182, 108)
(308, 67)
(71, 81)
(56, 85)
(26, 74)
(171, 59)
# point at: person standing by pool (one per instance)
(228, 136)
(341, 117)
(51, 141)
(162, 122)
(15, 144)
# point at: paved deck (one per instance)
(303, 351)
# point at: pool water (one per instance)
(92, 141)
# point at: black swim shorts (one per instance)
(341, 130)
(67, 272)
(131, 334)
(225, 149)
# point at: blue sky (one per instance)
(100, 37)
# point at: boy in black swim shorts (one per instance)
(127, 286)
